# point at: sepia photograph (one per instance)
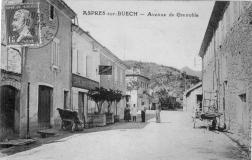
(125, 80)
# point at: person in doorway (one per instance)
(158, 110)
(134, 112)
(143, 109)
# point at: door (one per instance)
(81, 105)
(44, 106)
(9, 108)
(199, 101)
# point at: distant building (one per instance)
(138, 88)
(227, 66)
(193, 99)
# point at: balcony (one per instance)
(83, 82)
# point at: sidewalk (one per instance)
(64, 134)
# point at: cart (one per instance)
(70, 120)
(207, 116)
(209, 111)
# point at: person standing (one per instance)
(158, 110)
(134, 112)
(127, 116)
(143, 109)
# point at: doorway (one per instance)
(9, 109)
(199, 101)
(81, 105)
(44, 106)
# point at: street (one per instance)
(174, 138)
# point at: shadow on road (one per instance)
(121, 125)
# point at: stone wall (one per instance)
(235, 90)
(227, 70)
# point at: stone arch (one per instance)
(14, 84)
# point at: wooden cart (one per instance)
(70, 120)
(210, 111)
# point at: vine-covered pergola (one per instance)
(99, 95)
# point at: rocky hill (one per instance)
(173, 80)
(191, 72)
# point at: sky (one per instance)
(168, 40)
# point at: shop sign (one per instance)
(105, 70)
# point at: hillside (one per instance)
(170, 78)
(191, 72)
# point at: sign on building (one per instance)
(105, 70)
(22, 24)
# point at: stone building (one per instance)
(138, 88)
(85, 62)
(38, 79)
(193, 99)
(227, 66)
(116, 81)
(98, 55)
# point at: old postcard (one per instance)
(105, 80)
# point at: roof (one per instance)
(133, 75)
(198, 85)
(79, 30)
(62, 6)
(216, 16)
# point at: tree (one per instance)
(110, 97)
(99, 95)
(133, 84)
(118, 97)
(167, 101)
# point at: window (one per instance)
(243, 97)
(115, 74)
(55, 53)
(77, 62)
(65, 99)
(94, 46)
(51, 11)
(11, 60)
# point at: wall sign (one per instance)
(105, 70)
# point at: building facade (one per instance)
(227, 65)
(85, 62)
(115, 81)
(42, 82)
(138, 88)
(192, 100)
